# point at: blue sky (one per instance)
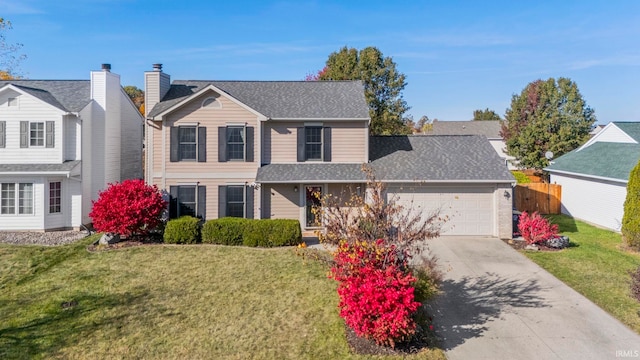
(458, 55)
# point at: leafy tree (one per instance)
(485, 114)
(137, 97)
(382, 82)
(9, 57)
(547, 116)
(631, 218)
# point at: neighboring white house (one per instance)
(594, 176)
(489, 128)
(61, 142)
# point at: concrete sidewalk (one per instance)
(497, 304)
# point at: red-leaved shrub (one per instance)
(536, 229)
(127, 208)
(376, 291)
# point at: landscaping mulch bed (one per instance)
(521, 244)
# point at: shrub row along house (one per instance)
(265, 149)
(61, 142)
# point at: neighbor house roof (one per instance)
(605, 160)
(67, 95)
(405, 159)
(469, 158)
(63, 168)
(281, 99)
(631, 128)
(488, 128)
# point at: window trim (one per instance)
(244, 199)
(180, 142)
(195, 200)
(244, 142)
(215, 100)
(15, 102)
(17, 199)
(59, 197)
(306, 143)
(31, 138)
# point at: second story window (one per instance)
(235, 142)
(188, 143)
(37, 134)
(314, 143)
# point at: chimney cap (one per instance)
(157, 67)
(106, 67)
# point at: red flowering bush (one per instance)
(127, 208)
(536, 229)
(376, 291)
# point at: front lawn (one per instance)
(163, 301)
(596, 265)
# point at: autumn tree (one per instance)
(485, 114)
(10, 57)
(383, 85)
(547, 116)
(137, 97)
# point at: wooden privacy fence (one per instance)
(541, 197)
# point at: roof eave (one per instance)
(622, 181)
(317, 119)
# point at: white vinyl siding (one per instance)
(598, 202)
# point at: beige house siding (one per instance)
(348, 141)
(280, 201)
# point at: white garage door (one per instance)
(470, 210)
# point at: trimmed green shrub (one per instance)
(631, 218)
(257, 233)
(521, 178)
(224, 231)
(285, 232)
(184, 230)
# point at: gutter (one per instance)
(586, 176)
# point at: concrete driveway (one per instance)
(497, 304)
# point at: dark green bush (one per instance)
(631, 217)
(252, 232)
(184, 230)
(224, 231)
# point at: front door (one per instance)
(313, 194)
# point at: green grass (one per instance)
(168, 302)
(596, 265)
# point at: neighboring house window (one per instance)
(235, 201)
(37, 134)
(314, 143)
(188, 143)
(55, 197)
(3, 134)
(211, 103)
(12, 102)
(187, 200)
(235, 142)
(23, 192)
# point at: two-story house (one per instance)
(265, 149)
(61, 142)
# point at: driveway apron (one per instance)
(497, 304)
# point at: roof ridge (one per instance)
(273, 81)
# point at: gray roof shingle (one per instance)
(67, 95)
(600, 159)
(488, 128)
(39, 168)
(281, 99)
(405, 158)
(462, 158)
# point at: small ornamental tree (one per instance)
(535, 229)
(128, 208)
(631, 218)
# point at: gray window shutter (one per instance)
(222, 201)
(202, 144)
(174, 144)
(173, 202)
(50, 134)
(24, 134)
(3, 133)
(222, 144)
(326, 144)
(248, 202)
(248, 156)
(201, 212)
(301, 144)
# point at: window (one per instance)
(8, 194)
(211, 103)
(187, 200)
(188, 143)
(12, 102)
(55, 197)
(36, 134)
(313, 143)
(235, 142)
(235, 200)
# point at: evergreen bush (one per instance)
(631, 218)
(184, 230)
